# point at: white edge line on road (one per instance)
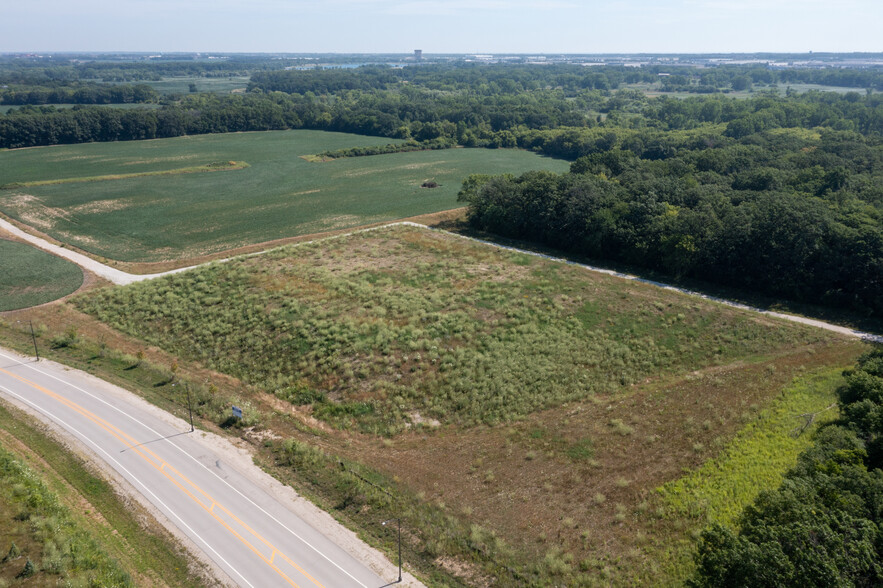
(215, 474)
(123, 468)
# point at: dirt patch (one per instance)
(465, 570)
(100, 206)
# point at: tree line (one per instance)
(514, 78)
(74, 69)
(546, 121)
(824, 525)
(791, 213)
(79, 94)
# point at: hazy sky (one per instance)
(442, 26)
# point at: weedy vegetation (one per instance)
(49, 541)
(377, 330)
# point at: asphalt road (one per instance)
(248, 533)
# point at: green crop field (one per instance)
(29, 276)
(179, 215)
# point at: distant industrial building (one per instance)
(418, 54)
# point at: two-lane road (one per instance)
(245, 528)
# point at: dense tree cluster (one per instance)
(571, 78)
(789, 213)
(824, 525)
(78, 94)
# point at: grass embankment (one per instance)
(518, 414)
(208, 167)
(29, 276)
(134, 218)
(70, 524)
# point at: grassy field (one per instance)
(522, 413)
(181, 85)
(144, 219)
(384, 329)
(29, 276)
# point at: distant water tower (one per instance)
(418, 54)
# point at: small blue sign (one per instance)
(237, 412)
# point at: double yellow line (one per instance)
(188, 487)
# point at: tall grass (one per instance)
(374, 328)
(66, 550)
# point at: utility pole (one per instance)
(384, 523)
(189, 406)
(34, 339)
(399, 525)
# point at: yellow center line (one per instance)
(159, 464)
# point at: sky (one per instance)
(442, 26)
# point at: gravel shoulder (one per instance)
(236, 454)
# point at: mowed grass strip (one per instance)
(209, 167)
(29, 276)
(165, 217)
(385, 329)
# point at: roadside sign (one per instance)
(237, 412)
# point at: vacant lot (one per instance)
(378, 328)
(160, 217)
(29, 276)
(524, 412)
